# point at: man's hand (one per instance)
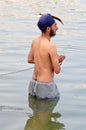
(61, 58)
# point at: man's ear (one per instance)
(48, 29)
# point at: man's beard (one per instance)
(52, 33)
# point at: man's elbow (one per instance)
(30, 61)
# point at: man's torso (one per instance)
(43, 71)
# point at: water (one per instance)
(17, 29)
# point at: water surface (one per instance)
(18, 20)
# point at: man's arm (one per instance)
(30, 56)
(54, 59)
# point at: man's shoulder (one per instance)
(35, 40)
(52, 46)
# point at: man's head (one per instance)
(45, 21)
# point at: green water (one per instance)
(18, 20)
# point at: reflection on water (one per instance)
(43, 117)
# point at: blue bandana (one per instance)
(45, 21)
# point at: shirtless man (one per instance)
(43, 55)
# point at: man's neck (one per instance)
(47, 36)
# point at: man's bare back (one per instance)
(45, 59)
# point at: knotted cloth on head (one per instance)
(46, 20)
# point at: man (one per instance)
(43, 55)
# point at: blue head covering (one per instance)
(45, 21)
